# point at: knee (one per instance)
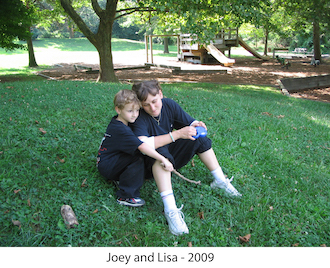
(138, 161)
(205, 144)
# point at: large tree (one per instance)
(42, 13)
(312, 12)
(201, 17)
(15, 20)
(102, 38)
(268, 20)
(32, 59)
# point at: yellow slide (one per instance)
(219, 56)
(250, 49)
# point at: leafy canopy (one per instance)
(201, 17)
(15, 22)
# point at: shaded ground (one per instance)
(244, 71)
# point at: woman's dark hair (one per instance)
(145, 88)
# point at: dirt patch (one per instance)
(322, 94)
(251, 71)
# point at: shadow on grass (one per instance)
(21, 74)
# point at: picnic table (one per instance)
(283, 49)
(300, 50)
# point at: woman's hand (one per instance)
(185, 133)
(199, 124)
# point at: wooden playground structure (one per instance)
(190, 50)
(224, 40)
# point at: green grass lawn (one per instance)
(78, 44)
(50, 51)
(277, 148)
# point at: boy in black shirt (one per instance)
(163, 123)
(119, 156)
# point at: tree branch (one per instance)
(78, 20)
(98, 10)
(129, 11)
(137, 9)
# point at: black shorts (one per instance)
(129, 172)
(180, 152)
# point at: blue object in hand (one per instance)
(201, 132)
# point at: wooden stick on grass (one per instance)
(183, 177)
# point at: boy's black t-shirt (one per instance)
(172, 116)
(117, 140)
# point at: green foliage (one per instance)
(307, 10)
(203, 18)
(304, 38)
(130, 32)
(276, 147)
(15, 22)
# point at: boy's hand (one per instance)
(167, 165)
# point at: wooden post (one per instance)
(151, 48)
(151, 52)
(146, 45)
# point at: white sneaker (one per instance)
(227, 186)
(175, 219)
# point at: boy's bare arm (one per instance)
(148, 150)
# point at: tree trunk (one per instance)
(166, 51)
(316, 40)
(266, 41)
(32, 59)
(107, 72)
(102, 39)
(71, 31)
(102, 42)
(70, 28)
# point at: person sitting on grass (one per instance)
(168, 128)
(119, 155)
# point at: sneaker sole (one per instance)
(124, 203)
(213, 186)
(177, 234)
(173, 231)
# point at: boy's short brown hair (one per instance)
(124, 97)
(145, 88)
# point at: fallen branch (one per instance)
(183, 177)
(76, 67)
(46, 76)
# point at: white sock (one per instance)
(218, 175)
(168, 200)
